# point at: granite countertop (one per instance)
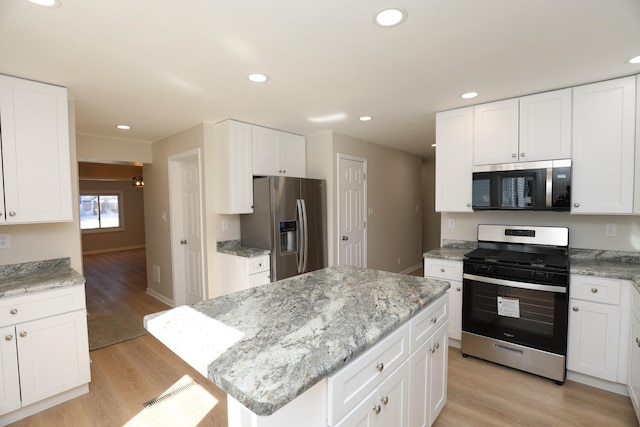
(18, 279)
(267, 345)
(234, 247)
(453, 250)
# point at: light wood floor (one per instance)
(126, 375)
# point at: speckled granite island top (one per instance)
(267, 345)
(234, 247)
(18, 279)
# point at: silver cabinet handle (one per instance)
(376, 409)
(384, 400)
(438, 345)
(12, 213)
(594, 290)
(521, 154)
(380, 366)
(434, 320)
(458, 289)
(513, 155)
(468, 205)
(576, 205)
(23, 334)
(442, 270)
(8, 337)
(575, 309)
(14, 311)
(638, 341)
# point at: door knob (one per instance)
(183, 242)
(344, 238)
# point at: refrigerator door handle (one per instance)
(305, 230)
(299, 235)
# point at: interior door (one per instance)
(351, 211)
(192, 233)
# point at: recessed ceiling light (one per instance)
(123, 127)
(366, 118)
(390, 17)
(46, 3)
(469, 95)
(258, 78)
(635, 60)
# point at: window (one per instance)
(101, 212)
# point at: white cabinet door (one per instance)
(292, 155)
(53, 355)
(545, 126)
(633, 385)
(234, 170)
(455, 311)
(35, 152)
(259, 279)
(603, 147)
(438, 373)
(9, 379)
(266, 151)
(593, 341)
(495, 132)
(454, 160)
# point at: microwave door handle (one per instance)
(549, 188)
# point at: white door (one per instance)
(352, 206)
(186, 228)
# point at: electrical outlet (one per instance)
(225, 225)
(452, 224)
(5, 241)
(611, 230)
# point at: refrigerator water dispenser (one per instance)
(288, 237)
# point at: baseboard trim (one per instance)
(410, 269)
(104, 251)
(160, 297)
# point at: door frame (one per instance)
(175, 224)
(363, 160)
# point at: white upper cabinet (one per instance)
(495, 132)
(234, 172)
(545, 126)
(603, 147)
(277, 153)
(35, 172)
(454, 157)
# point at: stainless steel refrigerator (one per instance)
(289, 218)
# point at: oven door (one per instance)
(528, 314)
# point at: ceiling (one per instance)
(164, 66)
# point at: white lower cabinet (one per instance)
(633, 382)
(596, 346)
(42, 353)
(238, 273)
(450, 270)
(401, 381)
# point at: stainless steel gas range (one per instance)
(515, 298)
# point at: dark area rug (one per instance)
(109, 330)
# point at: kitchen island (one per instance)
(278, 350)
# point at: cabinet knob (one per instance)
(458, 289)
(594, 290)
(468, 205)
(376, 409)
(12, 213)
(384, 400)
(638, 341)
(8, 337)
(1, 214)
(14, 311)
(23, 334)
(380, 366)
(513, 155)
(576, 205)
(521, 154)
(575, 309)
(442, 270)
(434, 320)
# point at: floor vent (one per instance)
(169, 394)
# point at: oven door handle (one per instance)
(522, 285)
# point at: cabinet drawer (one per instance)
(443, 269)
(425, 323)
(23, 308)
(596, 289)
(357, 379)
(258, 264)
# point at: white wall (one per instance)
(430, 218)
(91, 148)
(585, 231)
(38, 242)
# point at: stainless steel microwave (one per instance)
(544, 185)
